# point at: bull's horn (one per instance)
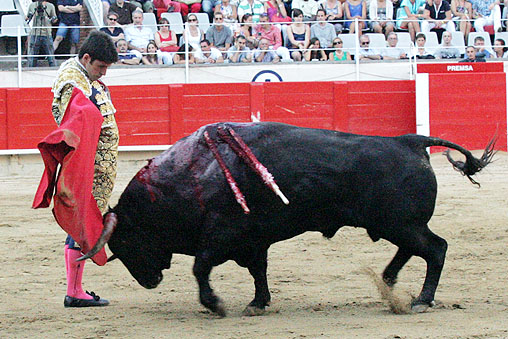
(113, 257)
(109, 226)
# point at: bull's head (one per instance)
(131, 249)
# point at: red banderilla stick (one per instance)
(231, 181)
(244, 152)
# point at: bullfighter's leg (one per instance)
(202, 268)
(392, 270)
(420, 241)
(257, 269)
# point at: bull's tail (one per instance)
(472, 165)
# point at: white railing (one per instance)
(95, 10)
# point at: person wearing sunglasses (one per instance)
(219, 35)
(113, 28)
(366, 52)
(124, 11)
(338, 54)
(194, 33)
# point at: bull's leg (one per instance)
(392, 270)
(201, 270)
(420, 241)
(257, 269)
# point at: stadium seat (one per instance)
(175, 21)
(404, 41)
(7, 6)
(150, 21)
(377, 41)
(203, 20)
(486, 37)
(431, 44)
(458, 41)
(349, 42)
(10, 24)
(503, 36)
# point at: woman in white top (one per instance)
(381, 16)
(194, 33)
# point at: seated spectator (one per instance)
(355, 9)
(488, 12)
(169, 5)
(125, 56)
(179, 56)
(165, 39)
(207, 54)
(189, 6)
(209, 7)
(381, 16)
(471, 55)
(69, 23)
(246, 29)
(308, 7)
(462, 12)
(366, 53)
(228, 11)
(272, 34)
(105, 10)
(219, 35)
(239, 52)
(194, 33)
(276, 11)
(137, 35)
(145, 5)
(500, 49)
(338, 54)
(392, 51)
(409, 16)
(114, 30)
(315, 51)
(479, 44)
(323, 30)
(446, 50)
(152, 56)
(252, 7)
(334, 13)
(421, 52)
(438, 17)
(298, 36)
(124, 11)
(264, 53)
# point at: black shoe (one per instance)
(95, 301)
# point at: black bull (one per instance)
(180, 202)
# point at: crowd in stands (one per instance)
(245, 31)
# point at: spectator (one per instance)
(179, 56)
(228, 11)
(247, 30)
(438, 16)
(392, 51)
(189, 6)
(114, 30)
(105, 10)
(334, 13)
(152, 55)
(207, 54)
(462, 12)
(276, 11)
(381, 16)
(124, 11)
(421, 52)
(487, 12)
(272, 34)
(308, 7)
(323, 30)
(471, 55)
(145, 5)
(165, 39)
(315, 51)
(366, 52)
(69, 22)
(264, 53)
(355, 9)
(137, 35)
(446, 50)
(125, 56)
(209, 7)
(338, 54)
(239, 52)
(500, 49)
(193, 33)
(169, 5)
(41, 40)
(298, 35)
(219, 35)
(409, 16)
(479, 44)
(252, 7)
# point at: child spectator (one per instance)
(421, 52)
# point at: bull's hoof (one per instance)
(252, 311)
(220, 309)
(420, 307)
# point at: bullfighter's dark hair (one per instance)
(100, 47)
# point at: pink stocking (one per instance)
(74, 274)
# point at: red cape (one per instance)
(73, 145)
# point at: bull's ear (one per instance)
(113, 257)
